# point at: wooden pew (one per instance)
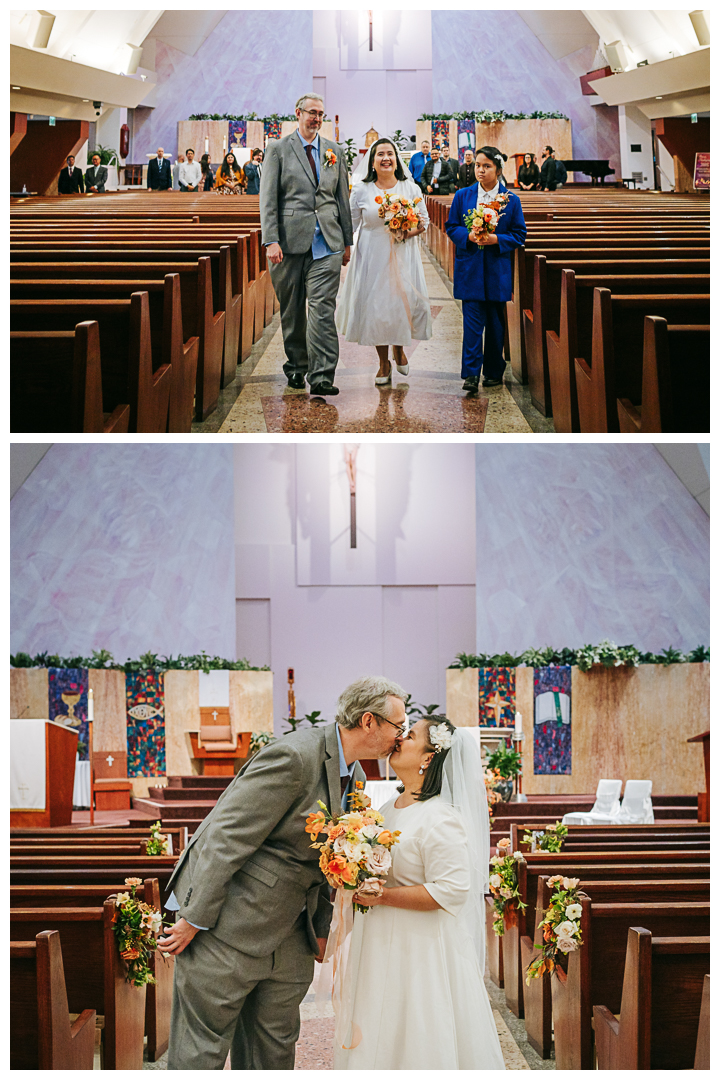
(610, 865)
(177, 834)
(158, 999)
(675, 381)
(659, 1014)
(125, 346)
(56, 382)
(41, 1034)
(537, 995)
(94, 974)
(702, 1050)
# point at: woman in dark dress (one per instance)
(528, 176)
(207, 173)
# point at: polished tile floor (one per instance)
(430, 399)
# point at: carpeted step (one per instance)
(200, 781)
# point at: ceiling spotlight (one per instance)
(658, 97)
(86, 100)
(16, 87)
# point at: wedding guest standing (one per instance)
(483, 268)
(230, 179)
(454, 166)
(159, 176)
(418, 161)
(547, 172)
(70, 180)
(436, 175)
(253, 170)
(190, 173)
(208, 177)
(529, 174)
(96, 176)
(466, 172)
(176, 172)
(560, 172)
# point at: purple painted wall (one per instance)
(253, 61)
(515, 72)
(580, 542)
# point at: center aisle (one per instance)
(430, 399)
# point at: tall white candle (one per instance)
(207, 145)
(224, 143)
(91, 706)
(518, 723)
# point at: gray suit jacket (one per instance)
(249, 870)
(290, 203)
(96, 179)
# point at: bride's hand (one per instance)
(367, 901)
(415, 232)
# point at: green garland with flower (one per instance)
(136, 926)
(561, 929)
(504, 884)
(158, 842)
(490, 116)
(548, 839)
(149, 661)
(606, 653)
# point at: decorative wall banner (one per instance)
(552, 728)
(145, 701)
(440, 133)
(496, 697)
(237, 133)
(67, 702)
(273, 129)
(466, 134)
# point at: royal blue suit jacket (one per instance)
(484, 273)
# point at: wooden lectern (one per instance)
(704, 796)
(60, 751)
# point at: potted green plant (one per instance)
(508, 763)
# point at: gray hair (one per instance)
(368, 694)
(300, 103)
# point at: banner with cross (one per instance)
(496, 697)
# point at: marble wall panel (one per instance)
(195, 132)
(126, 547)
(182, 714)
(251, 700)
(110, 724)
(253, 61)
(576, 543)
(29, 694)
(461, 691)
(516, 73)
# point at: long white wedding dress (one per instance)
(384, 300)
(416, 996)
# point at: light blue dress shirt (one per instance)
(320, 246)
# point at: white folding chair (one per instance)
(605, 810)
(636, 806)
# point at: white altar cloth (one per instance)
(81, 785)
(27, 764)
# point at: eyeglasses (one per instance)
(314, 113)
(400, 727)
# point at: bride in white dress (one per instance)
(384, 301)
(415, 996)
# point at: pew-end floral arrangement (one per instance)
(560, 927)
(136, 926)
(158, 842)
(492, 778)
(548, 839)
(356, 852)
(504, 884)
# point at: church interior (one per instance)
(141, 303)
(178, 607)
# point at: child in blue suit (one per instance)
(483, 270)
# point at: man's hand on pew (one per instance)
(177, 938)
(274, 253)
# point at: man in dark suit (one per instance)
(253, 904)
(454, 165)
(159, 174)
(96, 176)
(436, 176)
(70, 180)
(466, 172)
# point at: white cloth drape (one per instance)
(27, 764)
(81, 786)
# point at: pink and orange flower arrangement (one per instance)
(356, 854)
(484, 219)
(330, 159)
(399, 215)
(504, 884)
(561, 928)
(136, 926)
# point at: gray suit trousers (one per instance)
(224, 1000)
(307, 290)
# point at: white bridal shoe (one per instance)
(403, 369)
(383, 380)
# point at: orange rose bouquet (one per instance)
(399, 215)
(356, 852)
(484, 219)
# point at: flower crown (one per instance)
(440, 737)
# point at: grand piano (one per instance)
(596, 170)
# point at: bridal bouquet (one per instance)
(561, 928)
(399, 215)
(485, 220)
(356, 853)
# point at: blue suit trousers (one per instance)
(479, 315)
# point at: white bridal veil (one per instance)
(463, 786)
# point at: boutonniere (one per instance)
(330, 159)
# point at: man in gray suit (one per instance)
(254, 905)
(96, 176)
(307, 230)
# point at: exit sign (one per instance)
(51, 121)
(693, 118)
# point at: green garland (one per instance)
(241, 116)
(104, 659)
(606, 653)
(488, 116)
